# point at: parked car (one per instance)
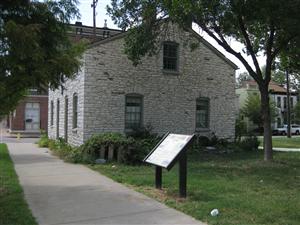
(295, 129)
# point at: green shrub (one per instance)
(138, 150)
(240, 128)
(249, 143)
(134, 150)
(43, 141)
(91, 148)
(145, 132)
(203, 141)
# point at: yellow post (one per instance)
(18, 136)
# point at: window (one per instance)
(278, 122)
(284, 102)
(75, 110)
(51, 113)
(133, 111)
(278, 101)
(202, 113)
(292, 103)
(170, 56)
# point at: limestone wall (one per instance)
(71, 87)
(169, 99)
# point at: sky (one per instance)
(86, 12)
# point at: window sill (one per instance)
(170, 72)
(199, 130)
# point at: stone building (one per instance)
(177, 90)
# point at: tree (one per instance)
(243, 77)
(34, 47)
(264, 27)
(279, 76)
(252, 110)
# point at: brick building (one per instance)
(177, 90)
(31, 114)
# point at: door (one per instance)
(32, 116)
(57, 119)
(66, 118)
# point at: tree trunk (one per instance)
(288, 101)
(266, 116)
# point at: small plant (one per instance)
(213, 139)
(240, 128)
(203, 141)
(249, 143)
(145, 132)
(139, 150)
(44, 140)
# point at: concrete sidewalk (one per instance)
(283, 149)
(62, 193)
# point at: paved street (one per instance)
(62, 193)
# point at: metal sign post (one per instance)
(171, 149)
(158, 177)
(182, 175)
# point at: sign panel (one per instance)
(167, 151)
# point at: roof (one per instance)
(273, 86)
(78, 31)
(201, 39)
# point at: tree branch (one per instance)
(282, 45)
(269, 59)
(222, 42)
(249, 45)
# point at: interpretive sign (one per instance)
(168, 149)
(167, 152)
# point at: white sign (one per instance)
(166, 152)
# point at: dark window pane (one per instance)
(75, 110)
(51, 112)
(202, 113)
(133, 111)
(170, 56)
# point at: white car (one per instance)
(295, 129)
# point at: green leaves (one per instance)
(35, 47)
(252, 109)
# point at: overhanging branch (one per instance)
(269, 59)
(249, 45)
(222, 42)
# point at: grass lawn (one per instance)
(284, 142)
(245, 189)
(13, 208)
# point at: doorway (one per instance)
(32, 116)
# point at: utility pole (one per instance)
(93, 5)
(288, 104)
